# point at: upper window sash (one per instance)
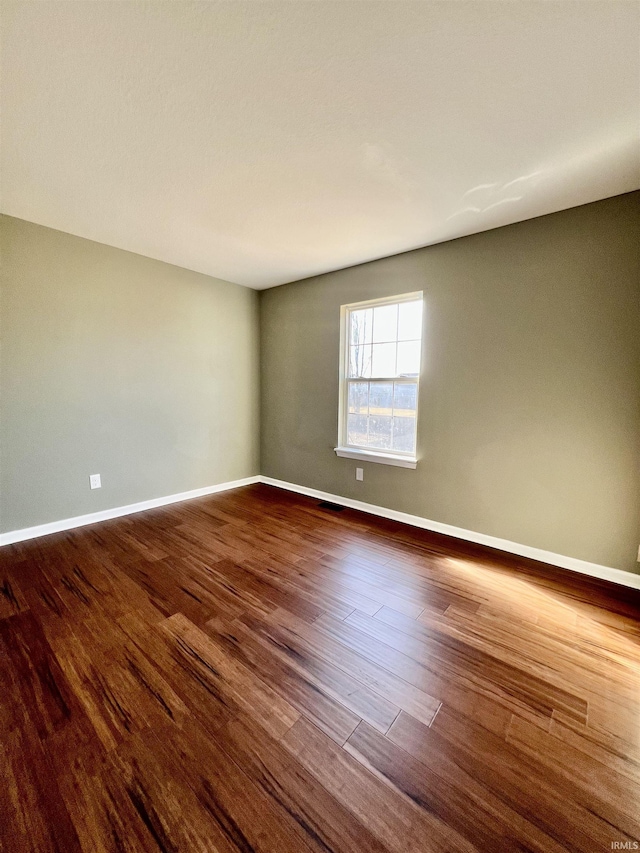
(384, 339)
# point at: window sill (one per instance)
(376, 456)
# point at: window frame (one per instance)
(399, 458)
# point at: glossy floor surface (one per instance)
(253, 672)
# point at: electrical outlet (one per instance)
(94, 481)
(639, 553)
(359, 474)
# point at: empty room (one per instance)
(320, 426)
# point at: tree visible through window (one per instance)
(381, 373)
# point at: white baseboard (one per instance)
(93, 517)
(582, 566)
(594, 570)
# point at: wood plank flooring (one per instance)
(252, 672)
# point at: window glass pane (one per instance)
(357, 430)
(381, 398)
(409, 358)
(385, 323)
(404, 398)
(360, 360)
(404, 431)
(380, 432)
(361, 326)
(384, 360)
(358, 397)
(410, 321)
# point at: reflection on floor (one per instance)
(252, 672)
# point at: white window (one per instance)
(380, 373)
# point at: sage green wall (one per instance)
(116, 364)
(529, 418)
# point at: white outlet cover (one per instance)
(94, 481)
(359, 474)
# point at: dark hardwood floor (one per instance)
(251, 672)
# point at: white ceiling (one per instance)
(263, 142)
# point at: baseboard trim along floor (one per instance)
(105, 514)
(582, 566)
(594, 570)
